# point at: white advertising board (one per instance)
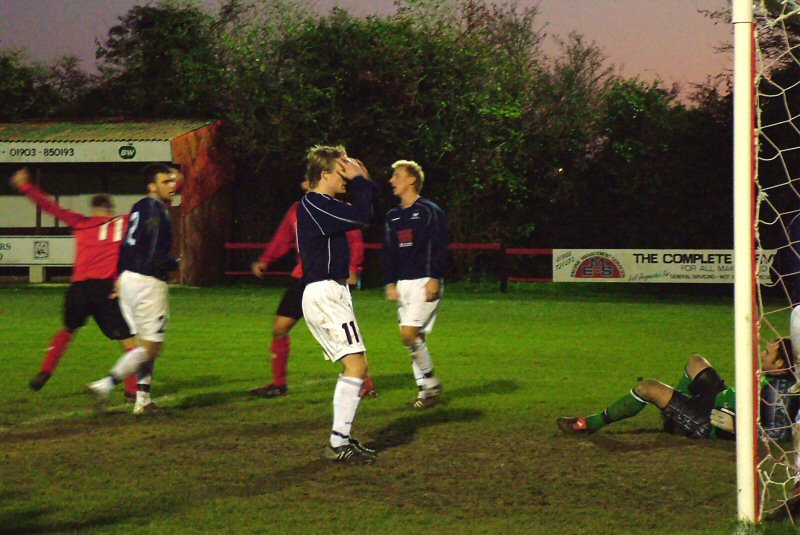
(85, 151)
(651, 265)
(37, 250)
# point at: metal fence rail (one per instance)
(503, 271)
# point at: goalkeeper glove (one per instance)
(724, 419)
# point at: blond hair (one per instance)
(321, 158)
(412, 168)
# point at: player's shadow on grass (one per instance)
(39, 434)
(394, 381)
(403, 430)
(501, 386)
(71, 426)
(323, 471)
(30, 521)
(658, 440)
(210, 399)
(175, 384)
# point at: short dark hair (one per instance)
(150, 172)
(102, 201)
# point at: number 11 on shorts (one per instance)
(347, 328)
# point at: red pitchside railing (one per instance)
(506, 252)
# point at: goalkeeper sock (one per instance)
(625, 407)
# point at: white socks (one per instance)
(422, 364)
(129, 363)
(143, 380)
(418, 376)
(345, 405)
(102, 386)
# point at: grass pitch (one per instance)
(489, 459)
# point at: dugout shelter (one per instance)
(72, 161)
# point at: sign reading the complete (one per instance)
(37, 250)
(85, 152)
(661, 265)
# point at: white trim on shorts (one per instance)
(413, 310)
(144, 302)
(328, 311)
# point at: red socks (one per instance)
(130, 385)
(280, 360)
(368, 388)
(58, 346)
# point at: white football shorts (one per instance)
(328, 311)
(144, 302)
(412, 308)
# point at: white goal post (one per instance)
(744, 253)
(745, 338)
(745, 314)
(766, 157)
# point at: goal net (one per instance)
(777, 227)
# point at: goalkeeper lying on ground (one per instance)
(701, 405)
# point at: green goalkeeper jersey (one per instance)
(775, 420)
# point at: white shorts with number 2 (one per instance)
(144, 302)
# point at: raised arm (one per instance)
(333, 216)
(21, 181)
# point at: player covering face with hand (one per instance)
(290, 309)
(322, 222)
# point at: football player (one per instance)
(414, 259)
(322, 222)
(91, 292)
(701, 405)
(144, 263)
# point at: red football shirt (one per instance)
(97, 238)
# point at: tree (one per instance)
(24, 88)
(564, 109)
(160, 61)
(518, 147)
(661, 175)
(70, 84)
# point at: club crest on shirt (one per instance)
(405, 238)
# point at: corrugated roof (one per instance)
(99, 130)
